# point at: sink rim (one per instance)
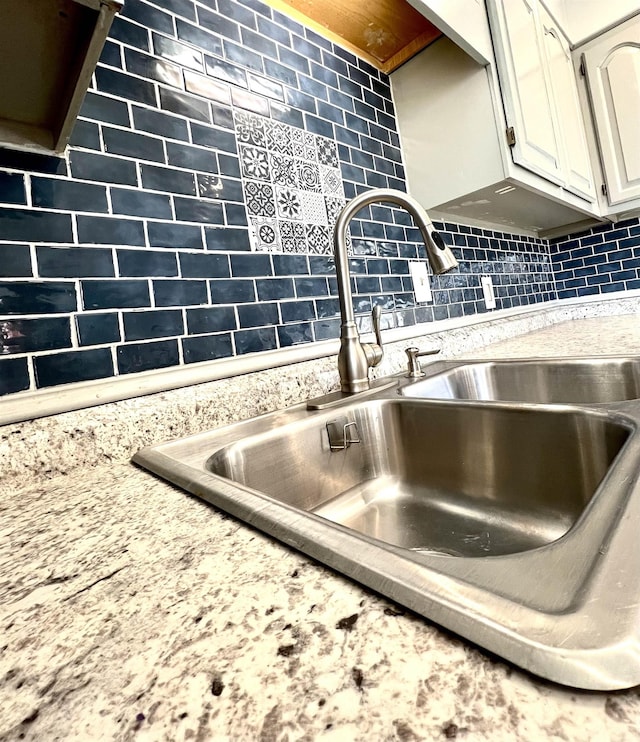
(544, 640)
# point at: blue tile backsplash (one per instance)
(191, 217)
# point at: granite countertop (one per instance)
(130, 610)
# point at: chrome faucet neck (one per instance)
(354, 358)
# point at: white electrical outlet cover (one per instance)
(420, 277)
(487, 290)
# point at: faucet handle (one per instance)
(413, 353)
(374, 351)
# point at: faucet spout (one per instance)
(355, 358)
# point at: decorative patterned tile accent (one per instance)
(292, 185)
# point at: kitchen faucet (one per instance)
(356, 358)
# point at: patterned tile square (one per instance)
(292, 236)
(331, 181)
(327, 152)
(318, 239)
(265, 235)
(259, 199)
(288, 203)
(283, 170)
(314, 210)
(255, 163)
(308, 175)
(292, 185)
(250, 128)
(278, 137)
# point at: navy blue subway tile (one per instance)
(168, 180)
(255, 340)
(277, 71)
(185, 105)
(222, 115)
(229, 164)
(74, 262)
(257, 315)
(204, 265)
(235, 214)
(275, 288)
(85, 134)
(194, 210)
(72, 366)
(175, 51)
(194, 158)
(152, 68)
(30, 335)
(241, 55)
(286, 114)
(166, 234)
(207, 87)
(137, 357)
(296, 311)
(125, 86)
(111, 54)
(232, 291)
(54, 193)
(294, 334)
(207, 347)
(144, 325)
(327, 308)
(199, 37)
(179, 292)
(141, 263)
(251, 264)
(114, 294)
(326, 329)
(32, 162)
(258, 43)
(133, 202)
(12, 190)
(210, 319)
(219, 24)
(109, 110)
(227, 239)
(215, 187)
(129, 33)
(132, 144)
(25, 225)
(214, 137)
(185, 8)
(98, 329)
(14, 375)
(243, 13)
(311, 286)
(103, 168)
(250, 101)
(41, 297)
(15, 261)
(290, 265)
(223, 70)
(102, 230)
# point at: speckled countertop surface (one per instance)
(130, 610)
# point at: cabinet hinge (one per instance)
(603, 188)
(582, 68)
(511, 136)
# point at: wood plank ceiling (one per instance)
(386, 33)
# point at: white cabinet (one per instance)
(540, 93)
(458, 162)
(612, 66)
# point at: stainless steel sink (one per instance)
(467, 481)
(514, 525)
(558, 380)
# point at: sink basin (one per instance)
(463, 481)
(513, 525)
(566, 380)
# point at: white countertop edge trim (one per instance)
(42, 402)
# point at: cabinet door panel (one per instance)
(527, 95)
(575, 152)
(613, 73)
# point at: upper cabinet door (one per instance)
(612, 64)
(525, 88)
(576, 164)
